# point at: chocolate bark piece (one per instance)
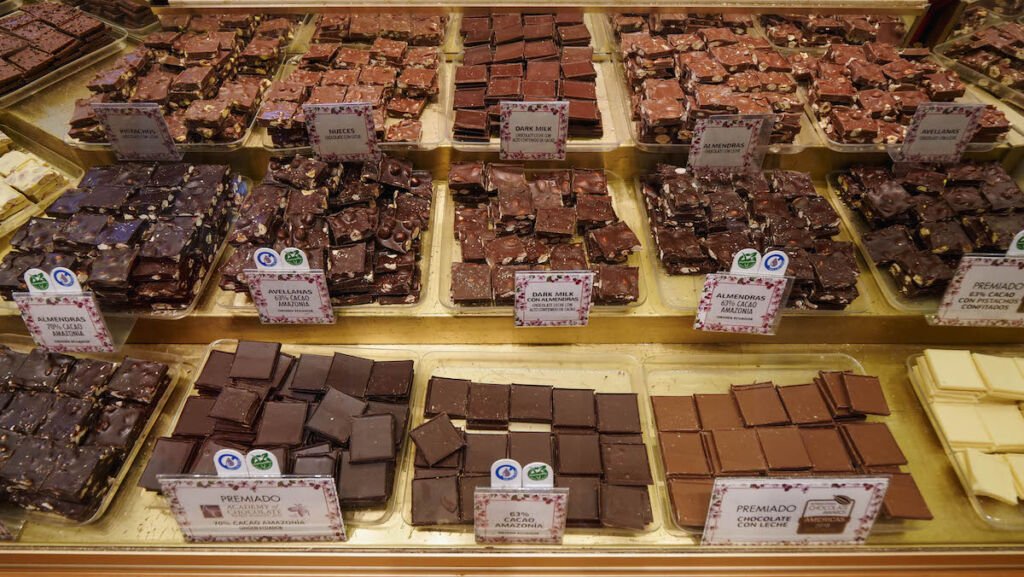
(365, 483)
(237, 405)
(865, 394)
(675, 413)
(488, 405)
(87, 378)
(569, 256)
(886, 244)
(118, 426)
(690, 499)
(195, 419)
(625, 507)
(626, 464)
(311, 373)
(40, 370)
(68, 420)
(255, 360)
(573, 409)
(613, 243)
(282, 424)
(446, 395)
(372, 439)
(804, 404)
(530, 447)
(333, 417)
(873, 444)
(437, 439)
(617, 413)
(170, 456)
(578, 454)
(435, 501)
(617, 285)
(826, 448)
(530, 403)
(718, 411)
(760, 404)
(683, 455)
(482, 450)
(390, 380)
(471, 283)
(138, 380)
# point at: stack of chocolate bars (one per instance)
(365, 27)
(42, 37)
(813, 429)
(508, 221)
(361, 223)
(342, 416)
(208, 77)
(595, 445)
(398, 78)
(923, 219)
(68, 425)
(140, 236)
(533, 56)
(699, 222)
(684, 67)
(127, 13)
(811, 30)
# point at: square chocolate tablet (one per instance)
(390, 380)
(573, 409)
(282, 424)
(826, 449)
(675, 413)
(488, 405)
(372, 439)
(315, 465)
(530, 404)
(584, 499)
(833, 387)
(718, 411)
(625, 507)
(87, 378)
(874, 444)
(783, 448)
(255, 360)
(865, 394)
(903, 500)
(467, 494)
(760, 405)
(626, 464)
(332, 418)
(435, 501)
(804, 404)
(530, 447)
(618, 413)
(446, 395)
(578, 454)
(482, 450)
(311, 374)
(349, 374)
(437, 439)
(399, 414)
(690, 500)
(683, 455)
(363, 484)
(170, 457)
(236, 405)
(738, 451)
(216, 373)
(195, 419)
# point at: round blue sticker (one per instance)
(63, 277)
(267, 258)
(774, 262)
(230, 462)
(507, 472)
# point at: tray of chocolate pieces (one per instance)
(478, 26)
(914, 223)
(530, 57)
(322, 410)
(816, 32)
(396, 65)
(43, 42)
(788, 415)
(366, 225)
(505, 218)
(990, 59)
(142, 237)
(679, 68)
(698, 222)
(208, 74)
(864, 96)
(71, 426)
(583, 414)
(31, 177)
(135, 16)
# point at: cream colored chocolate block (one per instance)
(991, 477)
(961, 425)
(11, 200)
(12, 161)
(1004, 423)
(932, 392)
(954, 370)
(5, 143)
(1000, 374)
(36, 181)
(1016, 462)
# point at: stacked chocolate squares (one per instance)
(924, 218)
(699, 222)
(341, 416)
(127, 13)
(140, 236)
(807, 430)
(208, 74)
(42, 37)
(533, 57)
(508, 221)
(68, 425)
(993, 52)
(595, 444)
(361, 223)
(24, 178)
(813, 30)
(398, 77)
(681, 68)
(865, 94)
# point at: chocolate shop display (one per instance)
(699, 222)
(70, 427)
(508, 219)
(207, 73)
(593, 440)
(141, 237)
(320, 413)
(363, 224)
(680, 68)
(392, 61)
(990, 57)
(533, 56)
(823, 30)
(917, 221)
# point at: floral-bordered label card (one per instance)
(939, 132)
(739, 303)
(291, 296)
(553, 299)
(65, 322)
(729, 143)
(793, 511)
(137, 131)
(516, 516)
(341, 132)
(985, 291)
(255, 509)
(534, 130)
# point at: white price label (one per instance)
(737, 303)
(137, 131)
(553, 299)
(534, 130)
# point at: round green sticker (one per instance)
(39, 281)
(1020, 243)
(292, 256)
(747, 260)
(261, 461)
(538, 473)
